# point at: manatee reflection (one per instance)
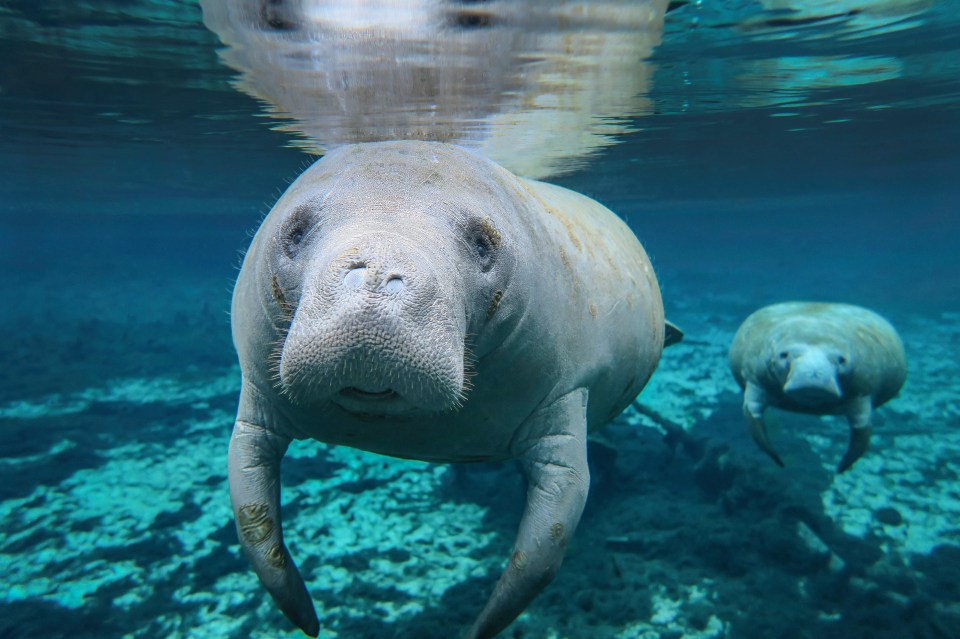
(536, 86)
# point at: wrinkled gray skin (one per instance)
(825, 359)
(415, 300)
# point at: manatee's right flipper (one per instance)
(671, 334)
(254, 472)
(555, 463)
(754, 404)
(859, 418)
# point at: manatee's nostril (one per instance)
(394, 284)
(355, 276)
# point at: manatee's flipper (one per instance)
(859, 418)
(754, 404)
(859, 442)
(671, 334)
(558, 480)
(254, 472)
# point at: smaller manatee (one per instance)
(819, 358)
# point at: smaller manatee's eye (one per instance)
(842, 360)
(784, 355)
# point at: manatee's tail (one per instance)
(671, 334)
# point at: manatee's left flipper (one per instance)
(558, 481)
(754, 405)
(859, 418)
(254, 474)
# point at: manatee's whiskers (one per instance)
(469, 371)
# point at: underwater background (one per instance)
(786, 150)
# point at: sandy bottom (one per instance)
(116, 408)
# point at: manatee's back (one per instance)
(879, 349)
(594, 268)
(746, 345)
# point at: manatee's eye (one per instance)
(485, 240)
(784, 355)
(294, 233)
(842, 360)
(482, 249)
(292, 241)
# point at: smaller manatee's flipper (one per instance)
(859, 418)
(254, 473)
(671, 334)
(754, 404)
(859, 442)
(558, 481)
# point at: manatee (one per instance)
(414, 299)
(824, 359)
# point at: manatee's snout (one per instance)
(379, 330)
(812, 379)
(358, 277)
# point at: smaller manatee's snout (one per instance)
(377, 332)
(812, 379)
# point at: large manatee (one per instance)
(416, 300)
(825, 359)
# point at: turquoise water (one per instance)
(776, 152)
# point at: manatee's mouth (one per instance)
(353, 391)
(813, 395)
(383, 403)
